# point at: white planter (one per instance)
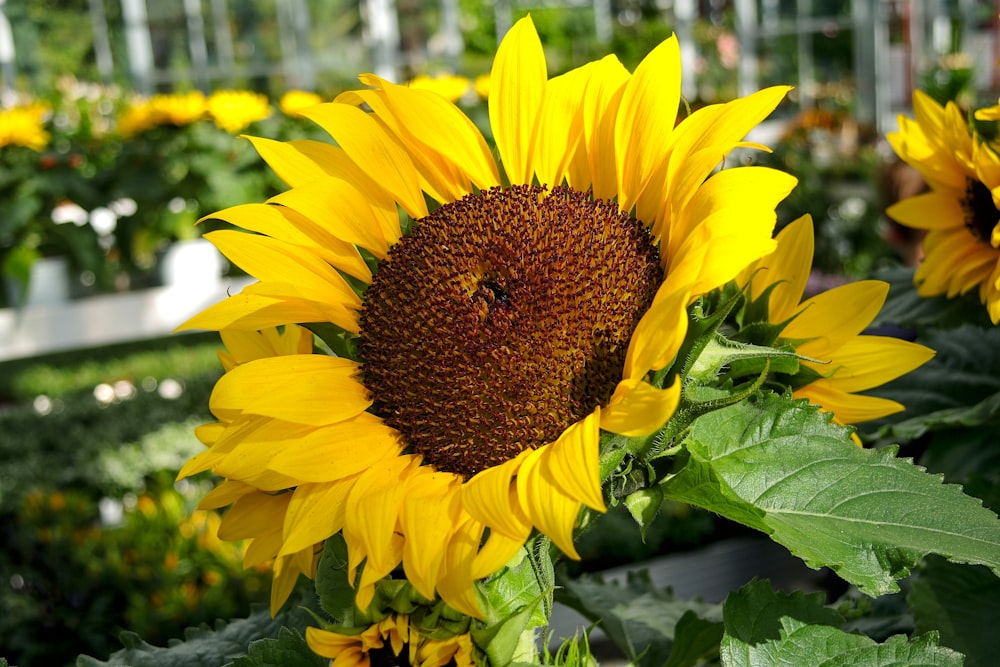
(194, 263)
(48, 284)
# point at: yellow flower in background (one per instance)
(24, 126)
(392, 641)
(294, 101)
(828, 328)
(448, 86)
(176, 109)
(960, 212)
(234, 110)
(481, 84)
(499, 336)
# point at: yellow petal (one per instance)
(374, 150)
(550, 510)
(517, 86)
(315, 512)
(340, 209)
(599, 107)
(439, 126)
(305, 389)
(848, 408)
(250, 312)
(659, 333)
(870, 361)
(271, 260)
(932, 210)
(559, 130)
(428, 519)
(831, 318)
(338, 450)
(253, 514)
(646, 118)
(286, 573)
(457, 584)
(498, 550)
(789, 267)
(490, 498)
(226, 492)
(638, 408)
(287, 161)
(573, 460)
(373, 512)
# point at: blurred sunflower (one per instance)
(449, 86)
(828, 328)
(960, 212)
(234, 110)
(294, 101)
(24, 126)
(519, 317)
(392, 641)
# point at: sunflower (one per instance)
(234, 110)
(384, 643)
(962, 209)
(826, 330)
(449, 86)
(24, 126)
(484, 350)
(294, 101)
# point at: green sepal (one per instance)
(644, 506)
(339, 341)
(719, 352)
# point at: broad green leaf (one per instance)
(206, 647)
(781, 466)
(640, 619)
(904, 307)
(695, 639)
(765, 627)
(288, 650)
(962, 602)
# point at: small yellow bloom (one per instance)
(449, 86)
(392, 641)
(294, 101)
(24, 126)
(234, 110)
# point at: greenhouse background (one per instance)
(98, 400)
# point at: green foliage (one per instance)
(288, 650)
(55, 379)
(768, 628)
(962, 604)
(650, 626)
(224, 644)
(782, 467)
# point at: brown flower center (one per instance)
(502, 319)
(981, 214)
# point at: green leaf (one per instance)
(695, 639)
(288, 650)
(203, 646)
(782, 467)
(765, 627)
(904, 307)
(962, 602)
(336, 595)
(642, 620)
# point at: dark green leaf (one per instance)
(765, 627)
(288, 650)
(203, 646)
(695, 639)
(904, 307)
(782, 467)
(336, 595)
(962, 602)
(640, 619)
